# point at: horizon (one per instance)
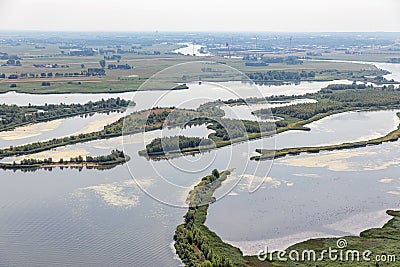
(177, 16)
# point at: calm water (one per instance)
(191, 49)
(329, 194)
(102, 218)
(21, 99)
(57, 128)
(341, 128)
(190, 98)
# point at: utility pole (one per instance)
(229, 52)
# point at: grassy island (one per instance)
(195, 244)
(12, 116)
(115, 158)
(174, 144)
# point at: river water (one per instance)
(57, 128)
(191, 50)
(106, 218)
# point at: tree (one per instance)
(215, 173)
(102, 63)
(83, 66)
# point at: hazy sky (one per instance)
(203, 15)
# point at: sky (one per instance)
(204, 15)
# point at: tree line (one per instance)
(12, 116)
(339, 97)
(277, 75)
(195, 244)
(116, 156)
(175, 143)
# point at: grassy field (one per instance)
(144, 66)
(307, 65)
(373, 56)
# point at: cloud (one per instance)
(123, 194)
(385, 180)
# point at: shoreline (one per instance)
(392, 136)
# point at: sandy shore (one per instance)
(31, 130)
(56, 155)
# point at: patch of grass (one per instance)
(195, 244)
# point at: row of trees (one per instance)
(13, 115)
(227, 129)
(119, 67)
(340, 97)
(89, 72)
(192, 239)
(277, 75)
(175, 143)
(115, 156)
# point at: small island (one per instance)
(116, 157)
(12, 116)
(176, 144)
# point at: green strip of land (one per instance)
(331, 100)
(196, 245)
(137, 122)
(115, 158)
(12, 116)
(271, 154)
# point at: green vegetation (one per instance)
(227, 132)
(270, 154)
(332, 102)
(14, 116)
(195, 244)
(116, 157)
(371, 56)
(161, 146)
(76, 69)
(105, 69)
(281, 77)
(380, 241)
(134, 123)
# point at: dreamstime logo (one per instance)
(340, 253)
(341, 243)
(169, 121)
